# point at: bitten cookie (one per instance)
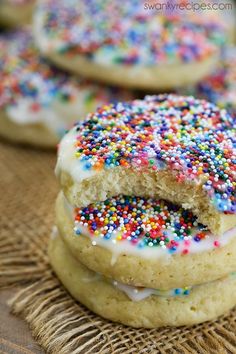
(141, 307)
(14, 13)
(171, 147)
(37, 101)
(123, 44)
(145, 242)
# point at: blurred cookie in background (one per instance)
(220, 86)
(14, 13)
(39, 102)
(126, 44)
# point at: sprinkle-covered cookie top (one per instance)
(28, 82)
(143, 224)
(220, 87)
(192, 138)
(124, 32)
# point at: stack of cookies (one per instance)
(146, 216)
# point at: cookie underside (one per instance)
(29, 134)
(164, 77)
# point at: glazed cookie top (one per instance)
(33, 91)
(145, 227)
(124, 32)
(220, 87)
(191, 138)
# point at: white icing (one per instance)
(125, 247)
(132, 292)
(44, 43)
(55, 115)
(54, 232)
(21, 113)
(67, 161)
(138, 294)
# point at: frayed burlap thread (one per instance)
(17, 264)
(26, 212)
(63, 326)
(60, 324)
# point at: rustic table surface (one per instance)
(15, 337)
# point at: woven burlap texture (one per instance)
(61, 325)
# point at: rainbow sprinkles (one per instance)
(191, 138)
(33, 91)
(128, 37)
(145, 227)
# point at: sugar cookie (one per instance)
(154, 309)
(38, 102)
(170, 147)
(145, 242)
(123, 44)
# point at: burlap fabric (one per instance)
(61, 325)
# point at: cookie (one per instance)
(14, 13)
(220, 86)
(125, 45)
(168, 147)
(145, 242)
(141, 307)
(37, 101)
